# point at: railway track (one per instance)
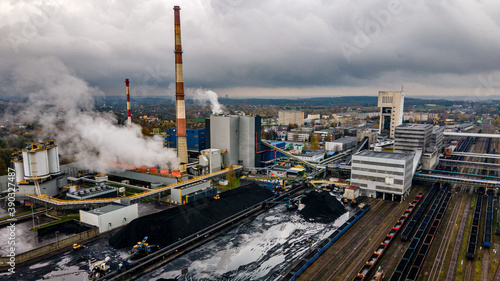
(443, 247)
(349, 243)
(454, 257)
(343, 261)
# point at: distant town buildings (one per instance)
(391, 106)
(286, 117)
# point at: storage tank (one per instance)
(53, 155)
(17, 159)
(35, 161)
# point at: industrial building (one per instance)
(382, 174)
(371, 135)
(437, 137)
(237, 137)
(311, 155)
(37, 169)
(195, 138)
(93, 193)
(410, 137)
(210, 160)
(340, 144)
(268, 156)
(286, 117)
(110, 217)
(191, 192)
(391, 111)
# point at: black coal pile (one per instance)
(321, 207)
(167, 227)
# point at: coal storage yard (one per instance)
(262, 248)
(257, 249)
(167, 227)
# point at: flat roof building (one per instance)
(382, 174)
(410, 137)
(110, 217)
(340, 144)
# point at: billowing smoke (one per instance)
(63, 104)
(208, 96)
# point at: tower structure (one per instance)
(129, 115)
(391, 111)
(179, 94)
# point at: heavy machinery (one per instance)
(98, 269)
(290, 203)
(142, 249)
(77, 247)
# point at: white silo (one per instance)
(17, 159)
(53, 155)
(35, 161)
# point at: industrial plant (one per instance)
(359, 194)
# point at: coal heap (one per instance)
(168, 226)
(321, 207)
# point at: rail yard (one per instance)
(448, 235)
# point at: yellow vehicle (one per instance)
(77, 247)
(217, 197)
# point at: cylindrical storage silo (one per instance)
(17, 159)
(35, 161)
(53, 156)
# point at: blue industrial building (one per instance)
(270, 155)
(195, 138)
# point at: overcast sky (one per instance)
(257, 48)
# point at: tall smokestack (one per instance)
(179, 94)
(129, 120)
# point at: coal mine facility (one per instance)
(233, 195)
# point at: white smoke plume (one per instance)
(63, 106)
(208, 96)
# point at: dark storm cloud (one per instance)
(271, 43)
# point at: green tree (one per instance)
(231, 176)
(328, 137)
(314, 141)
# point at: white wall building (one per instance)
(391, 106)
(382, 174)
(110, 217)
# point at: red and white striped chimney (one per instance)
(129, 120)
(179, 94)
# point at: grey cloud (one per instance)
(272, 43)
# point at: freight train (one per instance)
(369, 265)
(418, 238)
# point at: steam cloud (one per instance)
(63, 106)
(203, 97)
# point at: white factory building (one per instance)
(340, 144)
(382, 174)
(110, 217)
